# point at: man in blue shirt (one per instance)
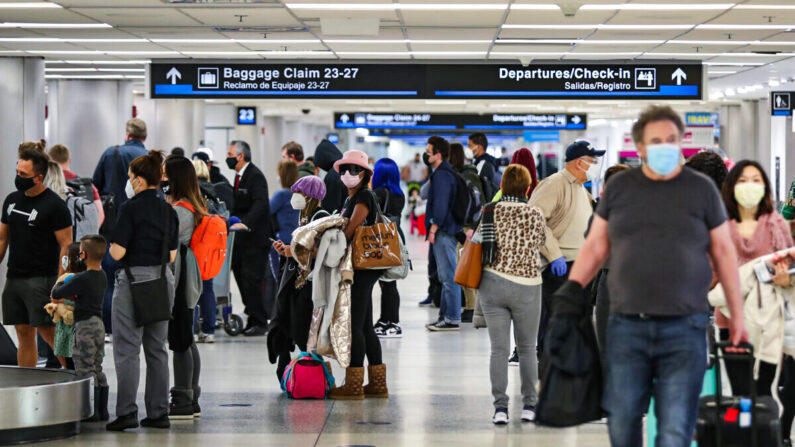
(110, 176)
(441, 234)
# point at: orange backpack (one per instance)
(208, 243)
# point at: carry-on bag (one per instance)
(469, 270)
(151, 303)
(307, 377)
(377, 246)
(727, 424)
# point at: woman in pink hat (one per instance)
(360, 208)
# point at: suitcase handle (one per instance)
(748, 354)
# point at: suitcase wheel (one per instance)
(234, 326)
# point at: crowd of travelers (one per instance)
(664, 248)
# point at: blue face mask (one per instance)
(663, 158)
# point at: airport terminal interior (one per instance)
(380, 77)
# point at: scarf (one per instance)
(487, 231)
(767, 238)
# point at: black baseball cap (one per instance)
(581, 148)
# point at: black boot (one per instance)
(197, 410)
(181, 407)
(97, 416)
(161, 422)
(124, 422)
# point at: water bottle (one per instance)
(745, 413)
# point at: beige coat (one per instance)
(763, 311)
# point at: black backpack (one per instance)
(81, 187)
(467, 202)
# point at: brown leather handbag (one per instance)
(470, 265)
(377, 246)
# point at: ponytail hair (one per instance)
(149, 167)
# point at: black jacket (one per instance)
(252, 206)
(571, 370)
(216, 176)
(326, 154)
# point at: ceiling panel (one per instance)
(635, 35)
(450, 47)
(673, 47)
(315, 14)
(165, 32)
(532, 48)
(544, 34)
(109, 3)
(46, 15)
(383, 33)
(139, 16)
(520, 17)
(368, 47)
(273, 46)
(455, 34)
(454, 18)
(757, 17)
(607, 48)
(701, 34)
(255, 16)
(661, 17)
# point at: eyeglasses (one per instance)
(352, 169)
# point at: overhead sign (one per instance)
(700, 119)
(246, 115)
(564, 80)
(473, 122)
(532, 136)
(781, 103)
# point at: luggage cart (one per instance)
(232, 323)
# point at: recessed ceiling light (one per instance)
(99, 52)
(53, 25)
(764, 7)
(598, 26)
(98, 62)
(30, 5)
(578, 41)
(403, 6)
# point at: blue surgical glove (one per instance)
(559, 267)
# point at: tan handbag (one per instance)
(470, 266)
(377, 247)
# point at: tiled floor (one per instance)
(439, 386)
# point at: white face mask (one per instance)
(128, 189)
(593, 171)
(749, 195)
(468, 154)
(297, 201)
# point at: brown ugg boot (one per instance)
(377, 386)
(352, 390)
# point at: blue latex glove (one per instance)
(559, 267)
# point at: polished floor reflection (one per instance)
(439, 386)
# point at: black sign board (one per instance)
(781, 103)
(470, 122)
(570, 80)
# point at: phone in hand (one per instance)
(765, 268)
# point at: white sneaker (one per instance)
(209, 338)
(108, 338)
(392, 330)
(528, 413)
(500, 416)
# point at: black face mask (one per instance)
(24, 183)
(165, 187)
(426, 159)
(231, 162)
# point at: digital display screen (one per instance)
(469, 122)
(246, 115)
(333, 138)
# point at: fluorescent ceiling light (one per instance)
(94, 69)
(443, 102)
(578, 41)
(98, 52)
(722, 71)
(97, 62)
(411, 53)
(656, 7)
(67, 40)
(733, 27)
(30, 5)
(56, 76)
(420, 6)
(733, 64)
(560, 53)
(773, 83)
(53, 25)
(600, 26)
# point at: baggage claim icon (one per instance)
(208, 77)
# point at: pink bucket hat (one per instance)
(353, 157)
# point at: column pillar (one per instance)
(21, 113)
(778, 157)
(172, 122)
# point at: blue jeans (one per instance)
(445, 255)
(665, 358)
(206, 308)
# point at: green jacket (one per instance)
(306, 169)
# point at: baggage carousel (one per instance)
(41, 404)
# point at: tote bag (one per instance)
(377, 246)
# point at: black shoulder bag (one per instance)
(151, 303)
(108, 199)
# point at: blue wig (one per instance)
(387, 175)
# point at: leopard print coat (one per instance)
(520, 232)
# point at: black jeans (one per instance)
(602, 314)
(434, 286)
(551, 284)
(363, 338)
(390, 302)
(249, 265)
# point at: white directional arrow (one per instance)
(679, 75)
(576, 119)
(173, 74)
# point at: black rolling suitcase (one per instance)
(712, 429)
(8, 350)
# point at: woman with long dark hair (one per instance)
(360, 208)
(188, 202)
(386, 186)
(138, 239)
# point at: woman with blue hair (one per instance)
(386, 185)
